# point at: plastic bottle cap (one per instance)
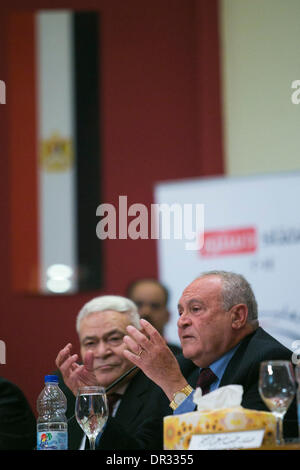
(51, 378)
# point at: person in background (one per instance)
(17, 421)
(151, 298)
(222, 344)
(101, 326)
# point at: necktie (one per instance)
(205, 379)
(112, 399)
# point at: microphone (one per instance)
(114, 383)
(122, 377)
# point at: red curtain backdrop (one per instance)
(161, 120)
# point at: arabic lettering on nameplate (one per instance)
(228, 440)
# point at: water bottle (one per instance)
(52, 427)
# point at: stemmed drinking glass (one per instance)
(91, 411)
(277, 389)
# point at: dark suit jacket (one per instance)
(17, 422)
(243, 369)
(176, 350)
(142, 400)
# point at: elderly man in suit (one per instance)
(101, 326)
(221, 341)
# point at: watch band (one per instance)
(187, 390)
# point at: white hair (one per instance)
(110, 302)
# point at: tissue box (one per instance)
(178, 429)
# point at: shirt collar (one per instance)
(218, 367)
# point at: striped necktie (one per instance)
(205, 379)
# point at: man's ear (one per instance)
(239, 316)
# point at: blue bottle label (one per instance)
(52, 440)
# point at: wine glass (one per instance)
(91, 411)
(277, 389)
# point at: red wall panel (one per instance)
(161, 120)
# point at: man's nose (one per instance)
(102, 350)
(184, 320)
(144, 310)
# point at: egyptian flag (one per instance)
(54, 104)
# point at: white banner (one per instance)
(251, 227)
(56, 135)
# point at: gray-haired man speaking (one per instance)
(222, 344)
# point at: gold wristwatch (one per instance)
(180, 396)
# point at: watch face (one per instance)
(179, 397)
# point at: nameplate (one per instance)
(227, 440)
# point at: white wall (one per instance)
(260, 60)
